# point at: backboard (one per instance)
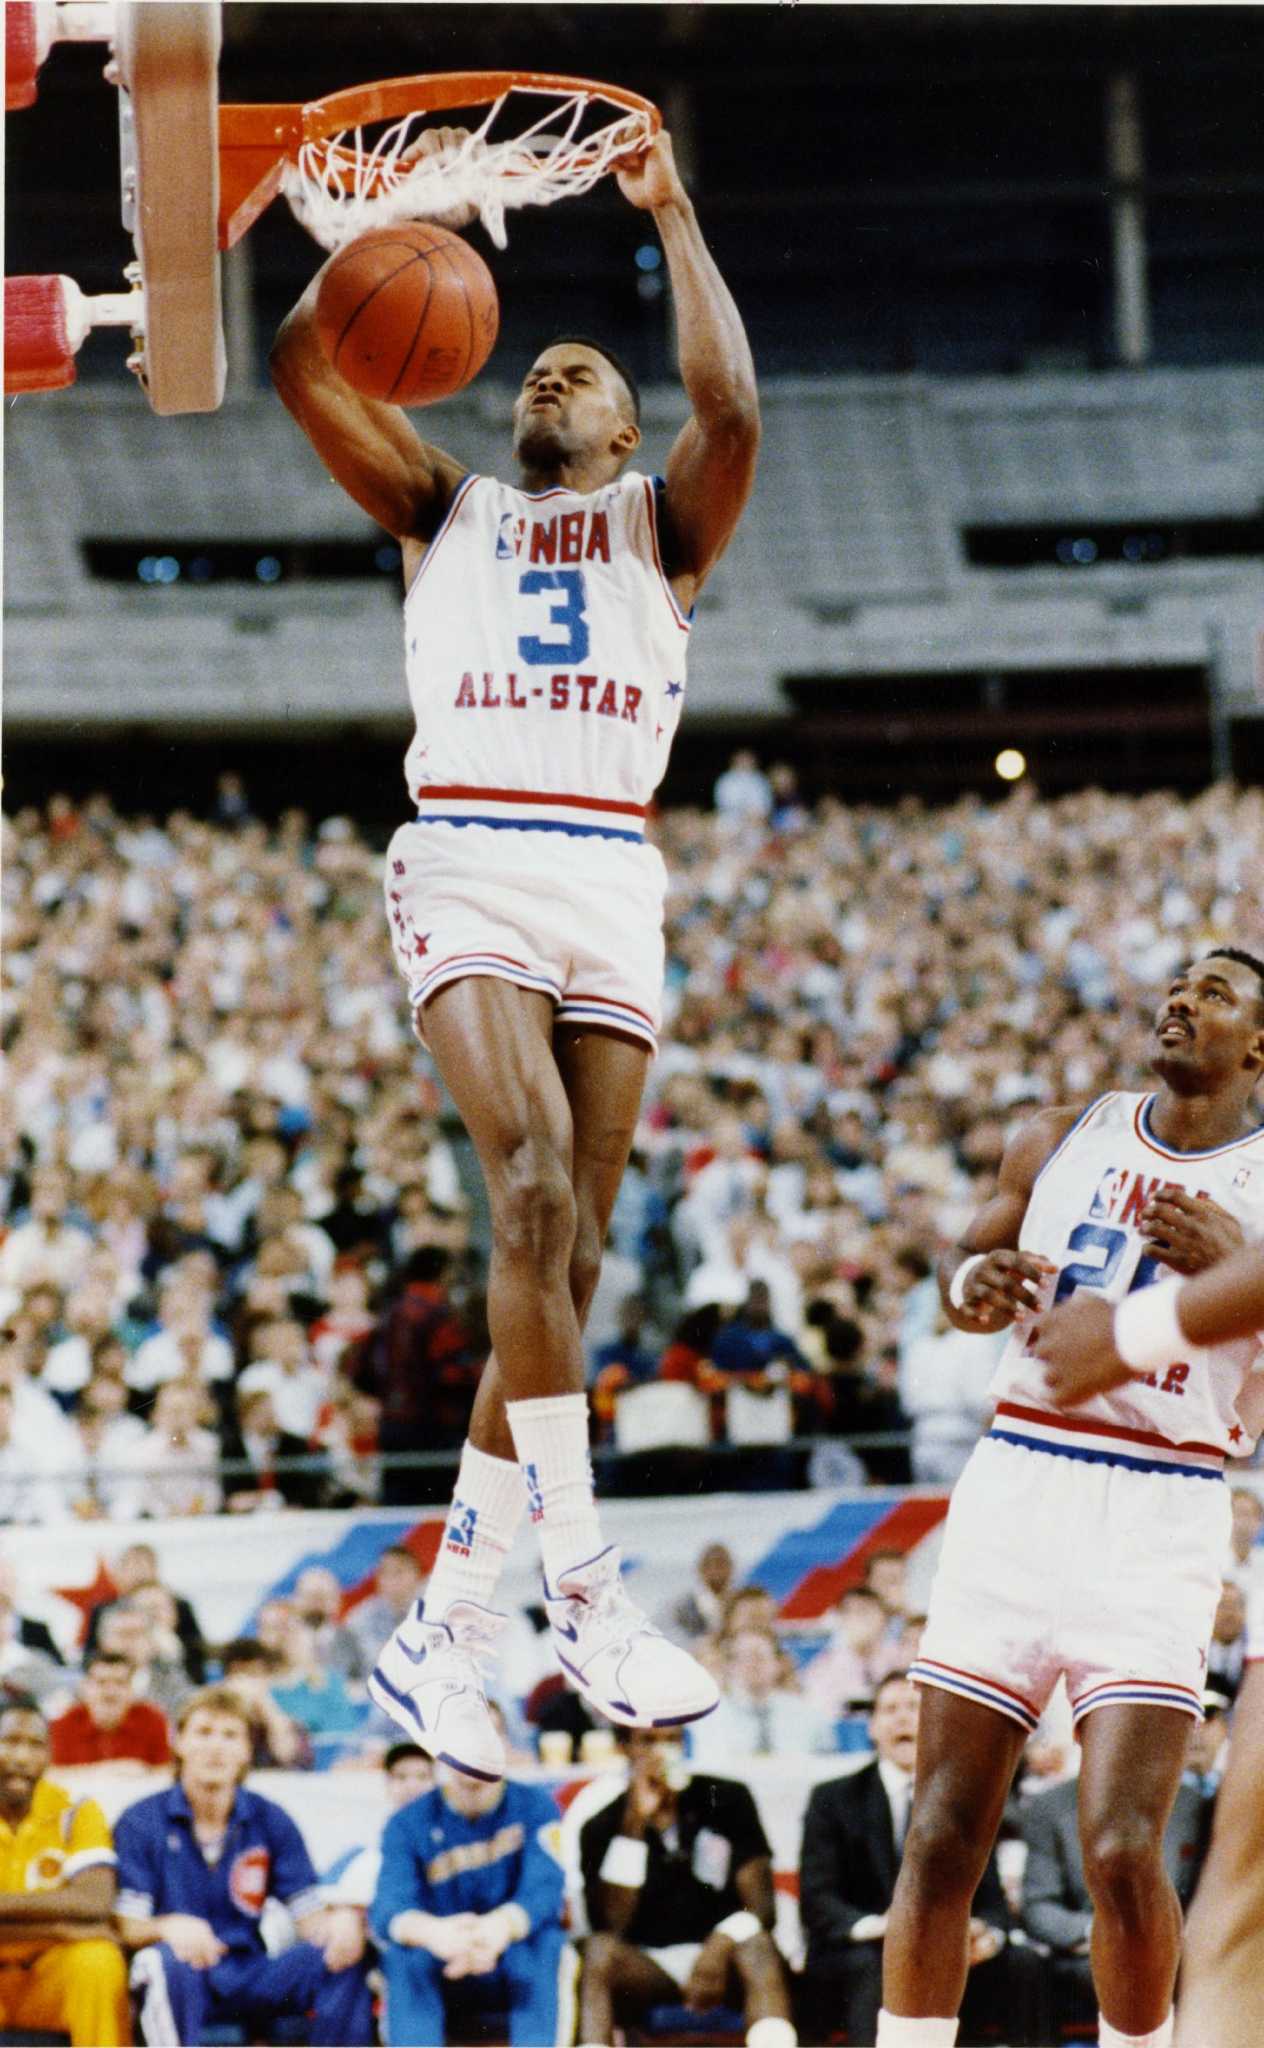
(167, 58)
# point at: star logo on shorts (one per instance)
(674, 689)
(397, 867)
(1235, 1434)
(421, 944)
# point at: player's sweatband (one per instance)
(740, 1926)
(1147, 1331)
(957, 1285)
(625, 1862)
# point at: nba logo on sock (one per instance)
(535, 1498)
(459, 1535)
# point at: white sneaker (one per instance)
(429, 1678)
(616, 1659)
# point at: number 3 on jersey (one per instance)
(566, 597)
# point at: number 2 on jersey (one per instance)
(566, 612)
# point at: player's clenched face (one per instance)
(573, 403)
(214, 1748)
(1210, 1025)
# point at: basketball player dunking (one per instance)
(1088, 1544)
(546, 626)
(1088, 1349)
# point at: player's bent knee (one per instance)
(946, 1846)
(533, 1205)
(1122, 1859)
(603, 1954)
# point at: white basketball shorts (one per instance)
(580, 919)
(1057, 1566)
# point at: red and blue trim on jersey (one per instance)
(1103, 1443)
(972, 1685)
(1136, 1692)
(531, 810)
(1141, 1124)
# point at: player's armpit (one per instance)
(370, 447)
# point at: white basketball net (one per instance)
(345, 184)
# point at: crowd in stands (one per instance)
(241, 1247)
(611, 1876)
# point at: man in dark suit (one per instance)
(1057, 1909)
(853, 1835)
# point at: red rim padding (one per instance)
(21, 54)
(37, 351)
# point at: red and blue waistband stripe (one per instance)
(972, 1686)
(1103, 1443)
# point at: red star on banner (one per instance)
(85, 1598)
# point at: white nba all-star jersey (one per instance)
(545, 660)
(1083, 1215)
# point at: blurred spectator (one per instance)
(102, 1480)
(61, 1971)
(1247, 1531)
(30, 1661)
(282, 1367)
(1226, 1652)
(417, 1363)
(468, 1914)
(758, 1714)
(397, 1585)
(347, 1317)
(846, 1674)
(107, 1723)
(750, 1341)
(313, 1696)
(179, 1460)
(31, 1472)
(24, 1631)
(677, 1888)
(196, 1922)
(624, 1360)
(944, 1381)
(158, 1671)
(317, 1598)
(743, 794)
(277, 1741)
(47, 1245)
(265, 1450)
(186, 1344)
(137, 1566)
(697, 1613)
(886, 1574)
(853, 1839)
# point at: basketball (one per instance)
(407, 313)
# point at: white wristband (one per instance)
(625, 1862)
(957, 1285)
(1147, 1331)
(740, 1926)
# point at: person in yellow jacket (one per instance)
(61, 1967)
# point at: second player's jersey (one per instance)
(1084, 1216)
(545, 659)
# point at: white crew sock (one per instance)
(771, 2032)
(895, 2032)
(1110, 2037)
(487, 1505)
(551, 1439)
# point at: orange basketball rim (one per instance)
(543, 137)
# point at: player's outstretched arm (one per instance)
(711, 468)
(370, 447)
(985, 1281)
